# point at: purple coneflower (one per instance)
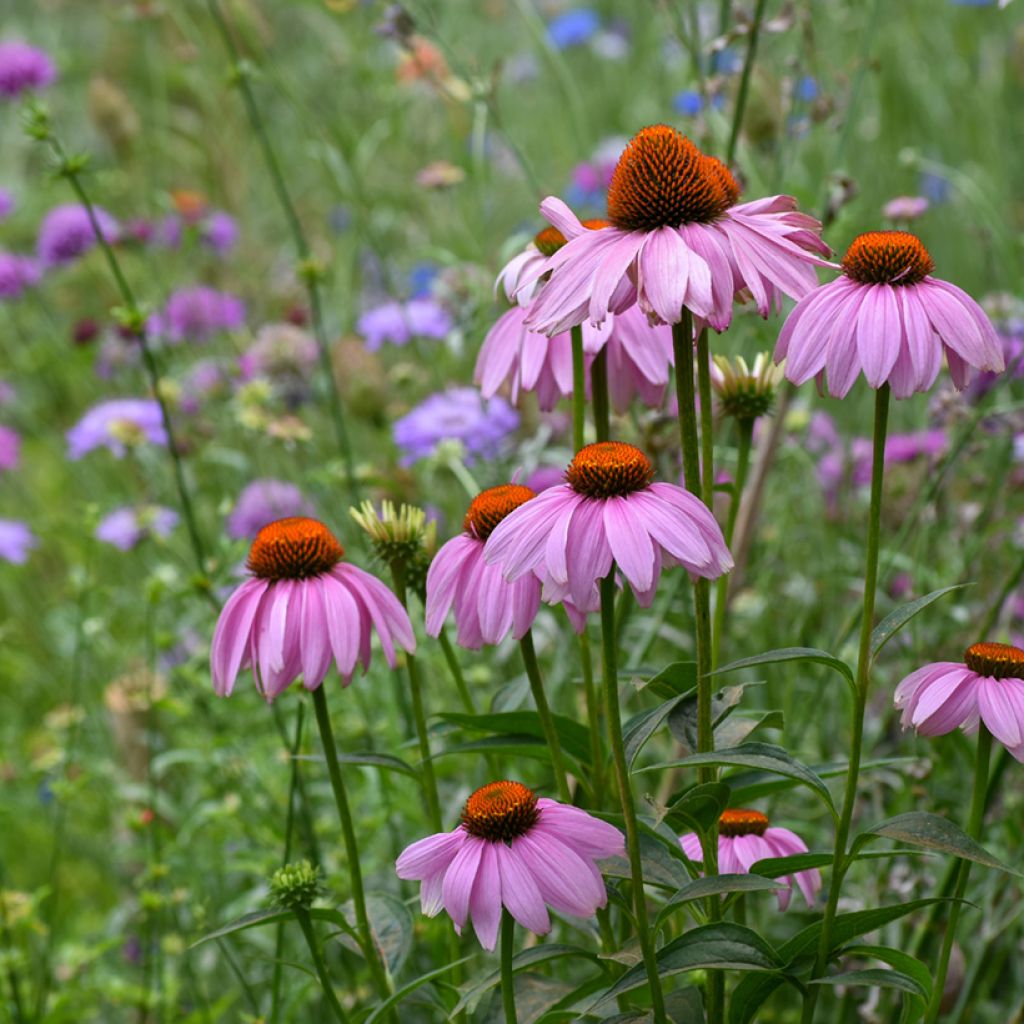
(677, 238)
(67, 233)
(23, 68)
(887, 317)
(745, 837)
(517, 851)
(302, 609)
(987, 686)
(609, 510)
(117, 424)
(486, 605)
(198, 314)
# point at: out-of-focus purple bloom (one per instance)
(127, 526)
(67, 233)
(10, 448)
(573, 28)
(6, 204)
(1013, 355)
(16, 541)
(822, 434)
(23, 68)
(115, 354)
(613, 44)
(905, 208)
(919, 444)
(219, 231)
(16, 274)
(397, 323)
(202, 379)
(116, 424)
(544, 477)
(806, 89)
(421, 279)
(934, 187)
(197, 314)
(689, 102)
(7, 392)
(589, 182)
(458, 414)
(284, 354)
(262, 502)
(726, 62)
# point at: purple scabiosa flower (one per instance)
(517, 851)
(23, 68)
(16, 274)
(6, 204)
(919, 444)
(283, 353)
(125, 527)
(202, 379)
(263, 501)
(302, 609)
(458, 414)
(67, 233)
(573, 28)
(608, 512)
(219, 231)
(117, 424)
(16, 541)
(486, 605)
(887, 317)
(905, 208)
(396, 323)
(198, 314)
(10, 448)
(986, 687)
(745, 837)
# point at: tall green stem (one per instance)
(611, 696)
(707, 431)
(547, 721)
(974, 824)
(746, 429)
(599, 394)
(839, 862)
(741, 96)
(370, 950)
(508, 981)
(593, 722)
(307, 271)
(306, 924)
(579, 387)
(452, 661)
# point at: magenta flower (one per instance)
(396, 323)
(7, 204)
(905, 208)
(219, 231)
(988, 687)
(16, 541)
(117, 424)
(16, 274)
(128, 526)
(486, 605)
(677, 238)
(745, 837)
(198, 314)
(23, 68)
(67, 233)
(887, 317)
(302, 609)
(609, 511)
(516, 851)
(263, 501)
(10, 448)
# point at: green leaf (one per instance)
(773, 867)
(639, 729)
(382, 1011)
(270, 916)
(750, 786)
(763, 756)
(394, 764)
(906, 964)
(932, 832)
(720, 946)
(660, 867)
(698, 808)
(699, 888)
(521, 746)
(673, 680)
(573, 735)
(874, 977)
(899, 617)
(810, 654)
(682, 722)
(738, 727)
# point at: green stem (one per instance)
(746, 429)
(611, 696)
(508, 981)
(593, 702)
(370, 950)
(707, 432)
(307, 272)
(306, 924)
(599, 394)
(974, 823)
(547, 721)
(18, 1007)
(579, 388)
(839, 863)
(452, 661)
(741, 96)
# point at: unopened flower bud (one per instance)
(295, 886)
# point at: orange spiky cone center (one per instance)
(500, 811)
(609, 469)
(887, 257)
(294, 548)
(489, 507)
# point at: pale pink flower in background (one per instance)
(905, 208)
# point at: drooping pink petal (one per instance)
(457, 887)
(485, 900)
(232, 634)
(879, 333)
(588, 835)
(519, 892)
(663, 274)
(999, 712)
(630, 543)
(315, 637)
(562, 875)
(443, 575)
(347, 622)
(429, 856)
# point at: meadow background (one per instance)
(139, 811)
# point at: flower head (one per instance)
(126, 527)
(887, 317)
(67, 232)
(303, 607)
(610, 511)
(16, 541)
(745, 837)
(401, 537)
(515, 850)
(219, 231)
(905, 208)
(397, 323)
(117, 424)
(16, 274)
(987, 687)
(677, 237)
(23, 68)
(744, 392)
(198, 314)
(296, 886)
(486, 605)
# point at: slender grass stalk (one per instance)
(508, 981)
(547, 721)
(452, 661)
(975, 820)
(839, 861)
(326, 986)
(593, 702)
(748, 67)
(599, 395)
(370, 950)
(309, 272)
(611, 695)
(746, 429)
(17, 1005)
(579, 388)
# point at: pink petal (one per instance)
(232, 635)
(631, 546)
(459, 879)
(664, 269)
(429, 856)
(519, 891)
(879, 333)
(315, 641)
(485, 901)
(443, 575)
(999, 712)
